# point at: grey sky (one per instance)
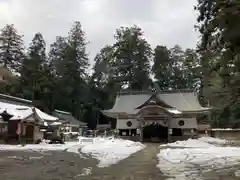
(165, 22)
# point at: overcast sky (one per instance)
(165, 22)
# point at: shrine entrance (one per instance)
(155, 133)
(154, 124)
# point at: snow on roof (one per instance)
(56, 123)
(45, 116)
(174, 111)
(63, 112)
(18, 111)
(23, 112)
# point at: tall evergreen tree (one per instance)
(132, 56)
(177, 80)
(175, 68)
(35, 73)
(69, 58)
(219, 45)
(103, 77)
(102, 69)
(162, 67)
(11, 48)
(57, 55)
(77, 49)
(102, 88)
(192, 69)
(220, 51)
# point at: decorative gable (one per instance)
(154, 100)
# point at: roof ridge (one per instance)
(185, 100)
(135, 92)
(176, 91)
(157, 92)
(15, 98)
(63, 112)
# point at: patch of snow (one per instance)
(237, 173)
(189, 161)
(201, 142)
(36, 157)
(191, 158)
(188, 144)
(110, 151)
(212, 140)
(39, 147)
(107, 150)
(86, 171)
(225, 129)
(12, 157)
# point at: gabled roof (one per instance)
(20, 112)
(127, 103)
(181, 100)
(67, 117)
(185, 101)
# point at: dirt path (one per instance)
(19, 165)
(139, 166)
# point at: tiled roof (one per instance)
(67, 117)
(182, 100)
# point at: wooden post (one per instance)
(141, 129)
(19, 130)
(169, 129)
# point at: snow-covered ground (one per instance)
(195, 157)
(201, 142)
(110, 151)
(39, 147)
(107, 150)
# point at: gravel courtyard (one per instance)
(63, 165)
(55, 165)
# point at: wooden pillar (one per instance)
(20, 131)
(169, 130)
(140, 128)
